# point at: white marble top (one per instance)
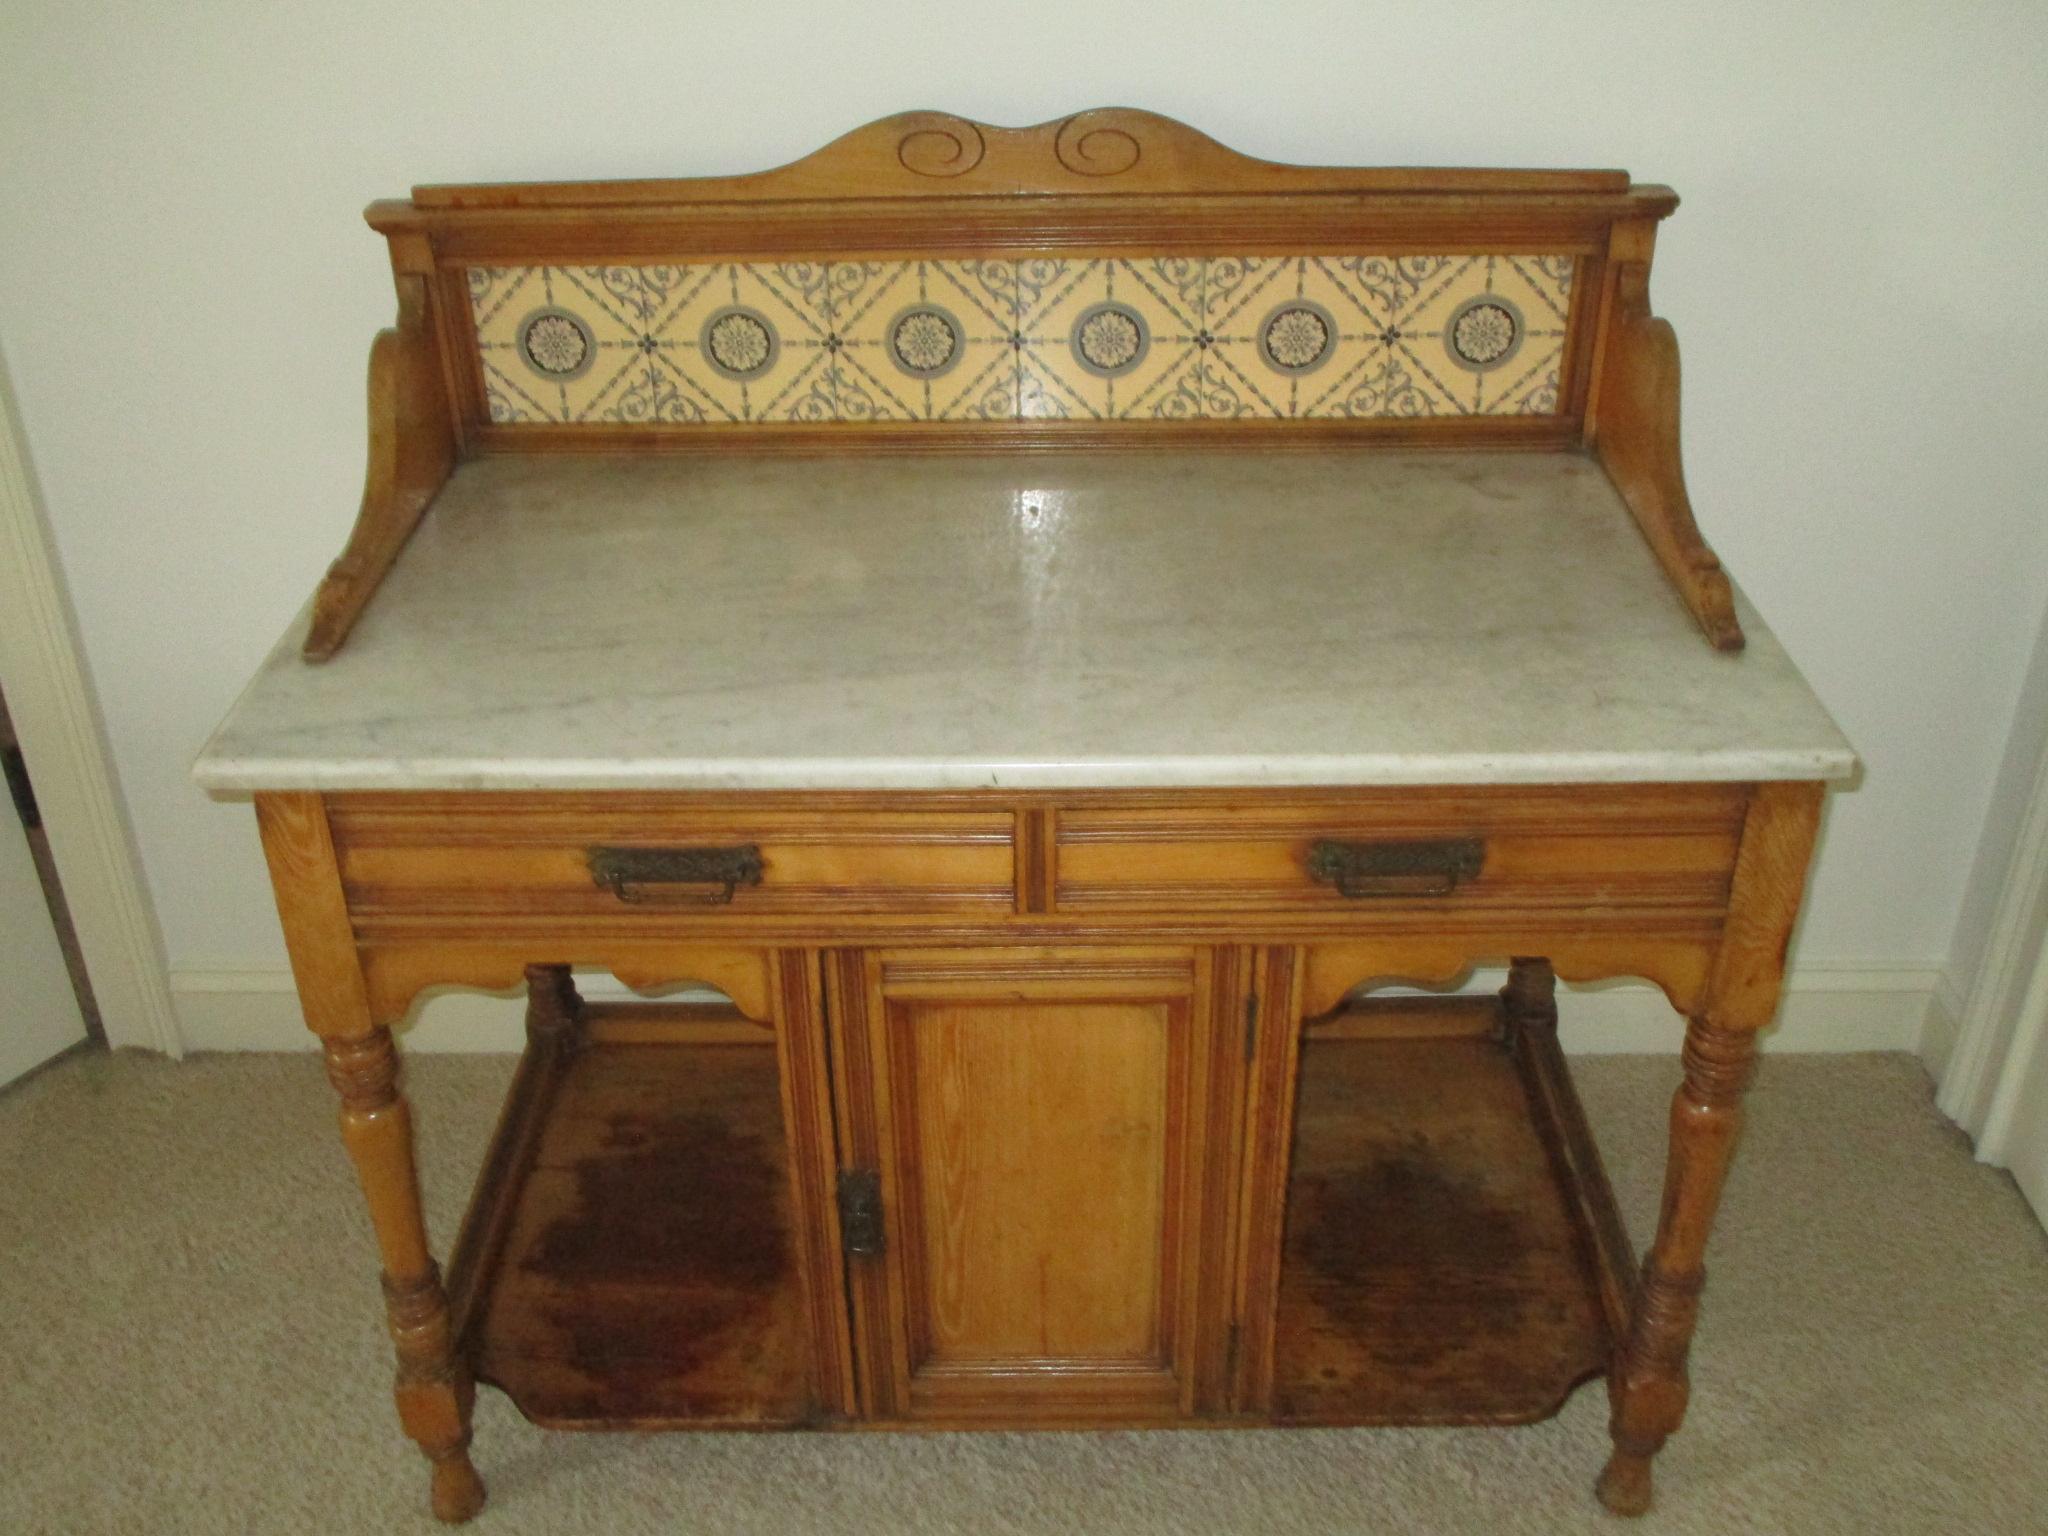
(1049, 621)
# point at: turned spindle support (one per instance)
(554, 1008)
(1529, 999)
(1647, 1384)
(433, 1388)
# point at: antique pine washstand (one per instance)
(1037, 621)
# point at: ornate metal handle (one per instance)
(1431, 867)
(701, 877)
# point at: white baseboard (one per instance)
(1853, 1007)
(1943, 1026)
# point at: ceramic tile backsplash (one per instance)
(1166, 338)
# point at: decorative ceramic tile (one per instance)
(920, 340)
(1074, 338)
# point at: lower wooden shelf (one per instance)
(1450, 1249)
(1443, 1258)
(630, 1260)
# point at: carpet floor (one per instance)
(190, 1341)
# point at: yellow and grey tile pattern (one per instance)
(1070, 338)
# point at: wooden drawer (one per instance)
(641, 857)
(1536, 849)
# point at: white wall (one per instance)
(187, 296)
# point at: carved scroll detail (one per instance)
(1105, 151)
(936, 144)
(1097, 144)
(1636, 435)
(412, 452)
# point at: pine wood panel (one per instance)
(1044, 1151)
(1029, 1116)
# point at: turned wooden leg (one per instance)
(1647, 1385)
(433, 1388)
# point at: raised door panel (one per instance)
(1043, 1148)
(1002, 1099)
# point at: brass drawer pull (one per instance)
(699, 877)
(1432, 867)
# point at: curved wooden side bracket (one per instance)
(412, 453)
(1635, 433)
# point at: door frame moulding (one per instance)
(2029, 1040)
(58, 723)
(2005, 1010)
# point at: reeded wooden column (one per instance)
(433, 1388)
(1647, 1384)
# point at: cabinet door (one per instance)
(1038, 1119)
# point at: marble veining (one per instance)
(1045, 621)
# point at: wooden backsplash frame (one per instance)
(1110, 183)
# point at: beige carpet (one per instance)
(190, 1341)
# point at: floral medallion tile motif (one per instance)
(1052, 338)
